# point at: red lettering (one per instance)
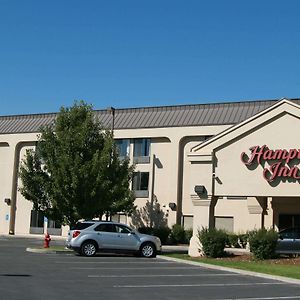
(268, 155)
(292, 154)
(277, 169)
(295, 172)
(278, 154)
(256, 154)
(273, 170)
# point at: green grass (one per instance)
(267, 267)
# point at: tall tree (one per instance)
(74, 172)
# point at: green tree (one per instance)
(74, 172)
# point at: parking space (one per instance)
(137, 278)
(26, 275)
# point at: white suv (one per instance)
(88, 237)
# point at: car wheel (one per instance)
(148, 250)
(88, 248)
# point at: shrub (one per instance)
(188, 235)
(177, 235)
(263, 243)
(213, 241)
(145, 230)
(233, 240)
(161, 232)
(243, 240)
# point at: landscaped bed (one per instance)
(283, 266)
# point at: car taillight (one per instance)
(76, 233)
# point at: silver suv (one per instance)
(88, 237)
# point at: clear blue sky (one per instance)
(129, 53)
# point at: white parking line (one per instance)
(168, 275)
(116, 262)
(198, 285)
(264, 298)
(151, 268)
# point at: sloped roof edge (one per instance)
(239, 125)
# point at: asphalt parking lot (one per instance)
(25, 275)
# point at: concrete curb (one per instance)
(238, 271)
(49, 251)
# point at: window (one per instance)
(122, 229)
(141, 148)
(53, 224)
(37, 219)
(224, 223)
(119, 218)
(123, 147)
(140, 184)
(288, 233)
(187, 222)
(106, 228)
(36, 222)
(54, 228)
(81, 226)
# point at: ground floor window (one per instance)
(36, 222)
(224, 223)
(288, 221)
(53, 227)
(120, 218)
(187, 222)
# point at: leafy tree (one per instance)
(74, 172)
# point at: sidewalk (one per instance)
(33, 236)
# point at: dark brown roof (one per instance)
(152, 117)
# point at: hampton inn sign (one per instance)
(283, 163)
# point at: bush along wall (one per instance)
(174, 236)
(162, 232)
(263, 243)
(213, 241)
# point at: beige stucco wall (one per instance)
(6, 163)
(217, 165)
(243, 219)
(169, 145)
(236, 179)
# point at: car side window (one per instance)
(105, 228)
(122, 229)
(287, 234)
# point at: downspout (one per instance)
(152, 190)
(213, 197)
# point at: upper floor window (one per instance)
(141, 150)
(140, 184)
(123, 147)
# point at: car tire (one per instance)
(88, 248)
(148, 250)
